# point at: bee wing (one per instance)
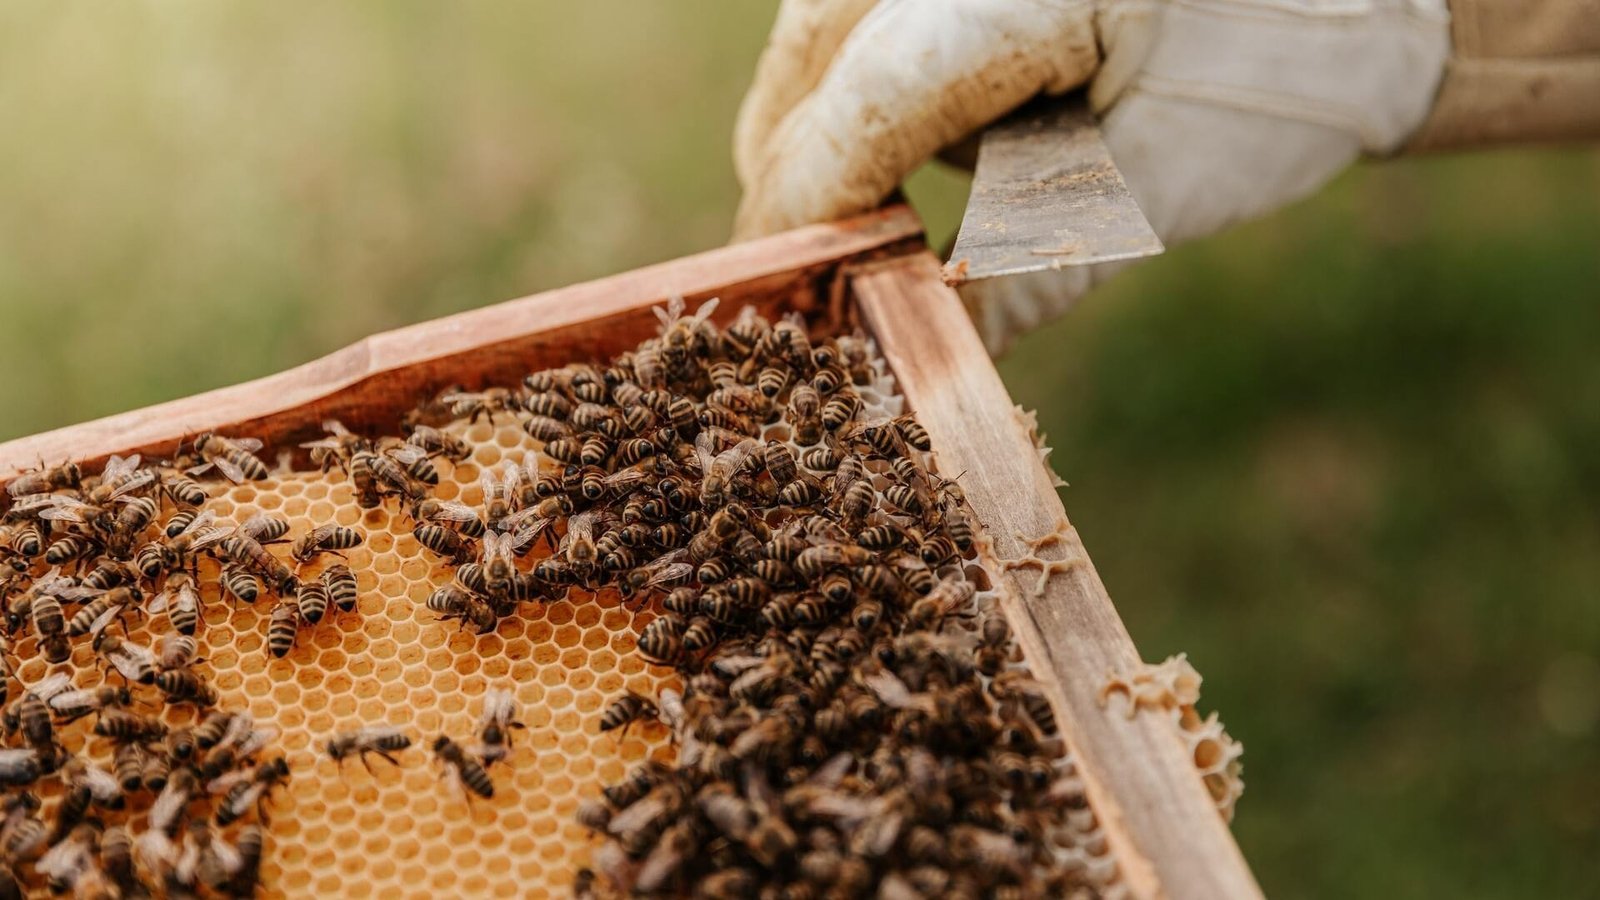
(730, 459)
(406, 454)
(158, 603)
(61, 508)
(101, 621)
(132, 660)
(705, 310)
(334, 427)
(76, 593)
(203, 519)
(669, 573)
(155, 850)
(624, 478)
(52, 686)
(64, 861)
(35, 502)
(118, 466)
(890, 689)
(229, 469)
(16, 760)
(214, 536)
(460, 397)
(223, 782)
(186, 597)
(639, 814)
(321, 444)
(499, 706)
(490, 484)
(705, 450)
(257, 739)
(454, 511)
(830, 773)
(227, 857)
(102, 784)
(133, 483)
(372, 734)
(670, 314)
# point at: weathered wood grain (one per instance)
(370, 383)
(1159, 819)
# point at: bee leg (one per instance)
(391, 759)
(366, 765)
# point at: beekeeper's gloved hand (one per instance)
(1214, 110)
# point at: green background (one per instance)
(1348, 458)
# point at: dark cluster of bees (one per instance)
(851, 724)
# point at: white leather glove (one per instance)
(1214, 110)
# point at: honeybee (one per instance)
(949, 597)
(805, 414)
(242, 795)
(446, 542)
(382, 740)
(418, 466)
(472, 404)
(499, 719)
(662, 640)
(175, 651)
(324, 539)
(439, 443)
(450, 514)
(109, 604)
(183, 490)
(626, 710)
(44, 480)
(454, 603)
(388, 476)
(234, 457)
(469, 771)
(684, 336)
(718, 468)
(121, 476)
(994, 641)
(198, 532)
(241, 583)
(134, 661)
(242, 549)
(282, 627)
(341, 585)
(49, 622)
(124, 726)
(667, 570)
(71, 860)
(181, 600)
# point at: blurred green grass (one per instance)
(1348, 457)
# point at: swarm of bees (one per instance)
(853, 721)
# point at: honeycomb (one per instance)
(1172, 687)
(406, 831)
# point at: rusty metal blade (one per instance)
(1045, 194)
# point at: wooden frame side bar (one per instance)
(370, 383)
(1169, 838)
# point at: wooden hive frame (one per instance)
(874, 270)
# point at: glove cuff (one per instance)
(1519, 71)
